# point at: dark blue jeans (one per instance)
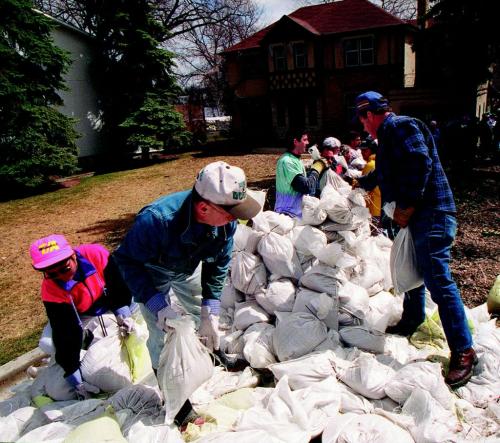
(433, 234)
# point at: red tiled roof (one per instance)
(331, 18)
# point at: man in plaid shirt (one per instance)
(409, 173)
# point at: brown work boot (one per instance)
(461, 366)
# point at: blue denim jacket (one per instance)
(166, 235)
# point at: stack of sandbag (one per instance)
(327, 269)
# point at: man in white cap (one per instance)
(169, 240)
(183, 241)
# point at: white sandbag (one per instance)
(141, 399)
(321, 305)
(306, 370)
(279, 256)
(334, 255)
(336, 205)
(357, 197)
(52, 432)
(258, 345)
(351, 428)
(307, 239)
(13, 425)
(358, 163)
(306, 261)
(9, 405)
(347, 318)
(287, 413)
(298, 335)
(270, 221)
(246, 238)
(312, 213)
(478, 315)
(331, 178)
(384, 310)
(477, 423)
(230, 295)
(369, 275)
(366, 376)
(433, 423)
(234, 389)
(351, 401)
(487, 338)
(278, 296)
(354, 298)
(259, 195)
(363, 338)
(185, 365)
(139, 432)
(248, 273)
(248, 313)
(404, 267)
(322, 278)
(232, 343)
(424, 375)
(332, 343)
(106, 366)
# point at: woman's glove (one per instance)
(167, 313)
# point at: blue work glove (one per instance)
(83, 389)
(209, 325)
(125, 321)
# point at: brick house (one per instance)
(305, 69)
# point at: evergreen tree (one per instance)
(36, 140)
(133, 72)
(156, 125)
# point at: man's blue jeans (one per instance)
(433, 234)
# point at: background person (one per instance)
(292, 181)
(77, 284)
(373, 197)
(409, 173)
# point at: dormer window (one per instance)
(299, 55)
(279, 57)
(359, 51)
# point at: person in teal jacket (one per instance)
(292, 181)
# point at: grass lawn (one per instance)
(101, 208)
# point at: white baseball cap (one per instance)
(331, 142)
(226, 185)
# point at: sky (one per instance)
(274, 9)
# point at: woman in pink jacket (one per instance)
(78, 283)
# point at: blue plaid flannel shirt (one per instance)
(409, 171)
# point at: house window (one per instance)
(359, 51)
(299, 55)
(279, 58)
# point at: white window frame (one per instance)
(305, 54)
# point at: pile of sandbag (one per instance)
(299, 281)
(310, 301)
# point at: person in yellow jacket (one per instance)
(373, 198)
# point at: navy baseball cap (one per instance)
(371, 101)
